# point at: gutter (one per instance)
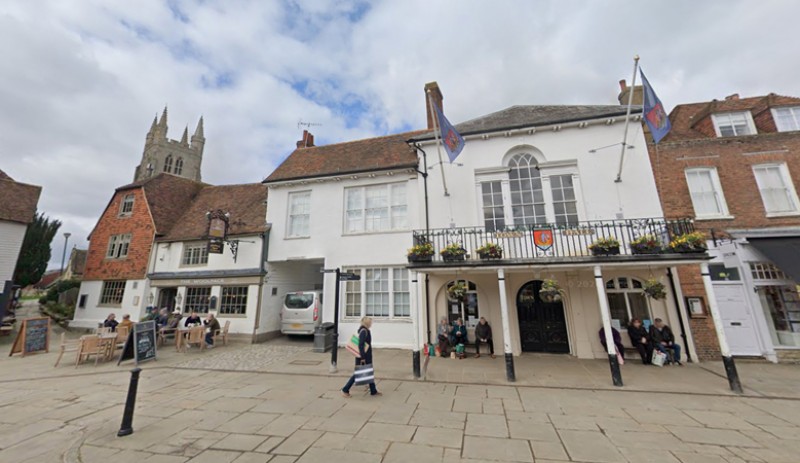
(263, 271)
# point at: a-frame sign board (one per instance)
(33, 336)
(141, 343)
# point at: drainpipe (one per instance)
(424, 174)
(680, 314)
(262, 274)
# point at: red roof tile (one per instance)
(18, 201)
(370, 154)
(168, 197)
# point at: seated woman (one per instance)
(459, 334)
(443, 332)
(617, 340)
(111, 322)
(640, 339)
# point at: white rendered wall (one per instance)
(133, 303)
(169, 256)
(11, 236)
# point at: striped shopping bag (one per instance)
(365, 374)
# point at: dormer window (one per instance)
(734, 124)
(787, 119)
(126, 207)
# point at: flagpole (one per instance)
(627, 119)
(435, 117)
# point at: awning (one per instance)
(783, 252)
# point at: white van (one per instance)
(301, 312)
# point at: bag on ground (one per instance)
(459, 348)
(659, 358)
(365, 374)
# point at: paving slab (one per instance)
(400, 452)
(495, 449)
(590, 446)
(316, 455)
(387, 432)
(240, 442)
(486, 425)
(724, 437)
(297, 443)
(442, 437)
(550, 450)
(210, 456)
(431, 418)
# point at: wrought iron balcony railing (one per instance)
(557, 241)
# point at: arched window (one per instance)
(626, 300)
(469, 310)
(527, 197)
(179, 166)
(168, 164)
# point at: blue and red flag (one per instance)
(452, 140)
(654, 115)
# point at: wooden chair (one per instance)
(222, 334)
(197, 336)
(66, 346)
(90, 345)
(102, 330)
(163, 332)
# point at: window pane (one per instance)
(639, 307)
(493, 215)
(234, 300)
(197, 299)
(774, 191)
(299, 213)
(618, 309)
(525, 179)
(705, 198)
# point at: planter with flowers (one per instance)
(457, 291)
(654, 289)
(689, 242)
(550, 291)
(646, 244)
(605, 247)
(490, 251)
(453, 252)
(421, 253)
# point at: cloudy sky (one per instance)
(80, 81)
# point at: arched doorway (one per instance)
(542, 325)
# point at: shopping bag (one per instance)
(459, 348)
(620, 358)
(365, 374)
(352, 346)
(658, 358)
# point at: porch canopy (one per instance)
(784, 252)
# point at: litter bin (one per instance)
(323, 337)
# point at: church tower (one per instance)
(161, 154)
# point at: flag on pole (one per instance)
(452, 140)
(654, 115)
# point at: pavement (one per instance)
(277, 402)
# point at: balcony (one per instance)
(543, 244)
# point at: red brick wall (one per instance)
(733, 157)
(139, 224)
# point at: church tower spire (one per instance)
(162, 155)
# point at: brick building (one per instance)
(733, 165)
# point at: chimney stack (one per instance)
(624, 91)
(733, 97)
(307, 141)
(432, 89)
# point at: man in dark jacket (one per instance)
(664, 341)
(640, 339)
(617, 340)
(483, 333)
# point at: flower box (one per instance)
(452, 257)
(612, 251)
(605, 247)
(688, 249)
(420, 253)
(414, 258)
(646, 244)
(490, 251)
(694, 242)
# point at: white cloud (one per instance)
(80, 81)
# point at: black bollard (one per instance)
(510, 375)
(127, 417)
(733, 375)
(616, 375)
(415, 363)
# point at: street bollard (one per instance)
(126, 427)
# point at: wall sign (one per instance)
(696, 307)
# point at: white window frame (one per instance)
(201, 257)
(795, 113)
(290, 215)
(391, 207)
(718, 194)
(788, 185)
(626, 291)
(112, 293)
(748, 118)
(129, 199)
(118, 246)
(233, 301)
(358, 299)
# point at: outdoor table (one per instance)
(181, 333)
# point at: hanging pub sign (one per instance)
(217, 231)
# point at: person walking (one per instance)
(365, 357)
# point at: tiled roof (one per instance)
(168, 197)
(17, 200)
(685, 117)
(245, 203)
(47, 280)
(370, 154)
(517, 117)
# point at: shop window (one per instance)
(197, 299)
(626, 300)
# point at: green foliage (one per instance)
(35, 252)
(63, 311)
(58, 288)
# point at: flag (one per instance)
(453, 141)
(654, 115)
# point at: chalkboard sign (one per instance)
(141, 343)
(33, 336)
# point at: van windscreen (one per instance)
(299, 301)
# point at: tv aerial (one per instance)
(301, 124)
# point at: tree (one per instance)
(35, 253)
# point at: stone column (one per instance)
(616, 375)
(713, 309)
(501, 282)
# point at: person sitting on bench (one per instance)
(641, 340)
(443, 332)
(483, 333)
(459, 334)
(664, 341)
(617, 341)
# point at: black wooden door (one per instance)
(542, 325)
(166, 298)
